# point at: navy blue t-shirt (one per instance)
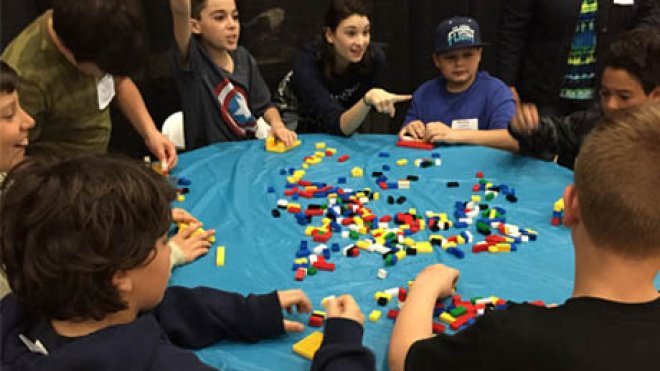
(487, 100)
(322, 101)
(219, 106)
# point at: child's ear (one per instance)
(436, 60)
(655, 94)
(195, 27)
(122, 281)
(571, 207)
(329, 35)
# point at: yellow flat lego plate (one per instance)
(308, 346)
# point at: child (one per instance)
(631, 77)
(335, 80)
(14, 121)
(463, 105)
(612, 320)
(221, 89)
(89, 273)
(14, 126)
(72, 61)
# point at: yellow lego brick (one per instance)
(446, 318)
(424, 247)
(357, 172)
(309, 230)
(319, 145)
(492, 214)
(476, 198)
(362, 230)
(358, 221)
(376, 196)
(212, 239)
(319, 313)
(180, 198)
(326, 221)
(292, 179)
(305, 166)
(273, 145)
(300, 261)
(412, 211)
(308, 346)
(319, 154)
(402, 162)
(220, 256)
(409, 242)
(374, 316)
(362, 244)
(492, 249)
(460, 240)
(299, 174)
(422, 224)
(400, 255)
(559, 205)
(381, 294)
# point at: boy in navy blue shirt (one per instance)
(83, 246)
(462, 105)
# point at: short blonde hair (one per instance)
(617, 177)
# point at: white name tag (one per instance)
(624, 2)
(105, 90)
(465, 124)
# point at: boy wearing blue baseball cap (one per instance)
(463, 104)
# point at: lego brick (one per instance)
(220, 256)
(374, 316)
(415, 144)
(308, 346)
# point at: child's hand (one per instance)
(182, 216)
(437, 132)
(415, 129)
(191, 244)
(282, 133)
(297, 298)
(384, 101)
(438, 280)
(526, 119)
(344, 307)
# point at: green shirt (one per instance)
(62, 99)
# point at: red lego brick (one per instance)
(493, 238)
(343, 158)
(382, 185)
(386, 218)
(392, 313)
(438, 328)
(415, 144)
(555, 221)
(403, 294)
(480, 174)
(538, 303)
(300, 274)
(315, 321)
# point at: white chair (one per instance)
(173, 129)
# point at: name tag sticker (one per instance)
(624, 2)
(105, 91)
(465, 124)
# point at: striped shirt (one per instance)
(580, 76)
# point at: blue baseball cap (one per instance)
(456, 33)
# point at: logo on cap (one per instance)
(460, 34)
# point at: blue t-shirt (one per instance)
(488, 100)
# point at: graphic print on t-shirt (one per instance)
(234, 108)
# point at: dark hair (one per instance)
(196, 8)
(68, 226)
(8, 78)
(336, 13)
(108, 33)
(638, 53)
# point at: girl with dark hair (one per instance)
(335, 79)
(14, 121)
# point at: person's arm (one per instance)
(498, 138)
(342, 348)
(278, 129)
(415, 319)
(181, 25)
(199, 317)
(512, 36)
(539, 136)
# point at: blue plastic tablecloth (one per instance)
(229, 193)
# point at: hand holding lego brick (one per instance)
(191, 242)
(282, 133)
(438, 132)
(415, 130)
(182, 216)
(290, 298)
(437, 279)
(344, 307)
(526, 119)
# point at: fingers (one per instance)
(293, 326)
(419, 130)
(332, 307)
(401, 98)
(289, 298)
(182, 216)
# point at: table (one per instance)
(229, 193)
